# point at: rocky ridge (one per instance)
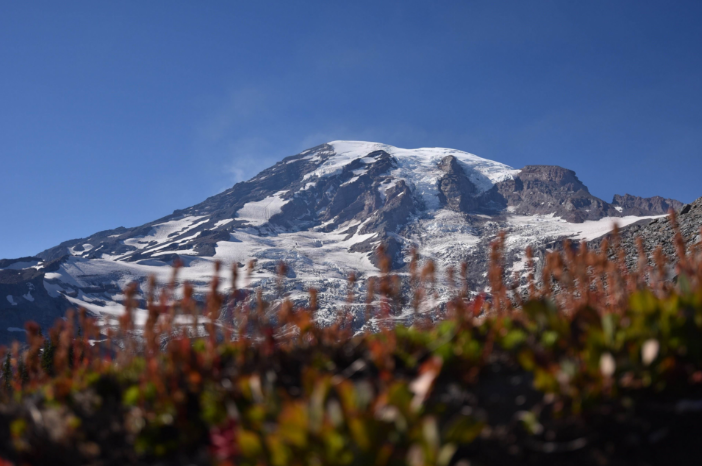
(543, 190)
(634, 205)
(659, 232)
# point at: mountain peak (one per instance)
(324, 212)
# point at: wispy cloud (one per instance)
(238, 107)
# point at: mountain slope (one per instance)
(323, 212)
(660, 232)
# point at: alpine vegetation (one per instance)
(584, 361)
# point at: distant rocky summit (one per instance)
(634, 205)
(546, 189)
(323, 212)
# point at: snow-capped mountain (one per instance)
(323, 212)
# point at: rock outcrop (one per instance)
(659, 232)
(25, 294)
(635, 205)
(456, 191)
(548, 189)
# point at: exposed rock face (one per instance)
(635, 205)
(456, 191)
(550, 179)
(359, 197)
(323, 212)
(659, 232)
(25, 295)
(547, 189)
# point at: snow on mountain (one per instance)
(323, 212)
(419, 167)
(158, 237)
(530, 230)
(259, 212)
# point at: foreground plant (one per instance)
(591, 364)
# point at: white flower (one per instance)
(607, 365)
(649, 351)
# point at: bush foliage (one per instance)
(589, 364)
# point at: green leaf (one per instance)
(463, 431)
(132, 395)
(643, 301)
(514, 338)
(549, 338)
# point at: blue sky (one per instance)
(116, 113)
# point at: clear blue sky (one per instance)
(116, 113)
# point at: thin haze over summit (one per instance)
(116, 114)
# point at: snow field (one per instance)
(161, 232)
(259, 212)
